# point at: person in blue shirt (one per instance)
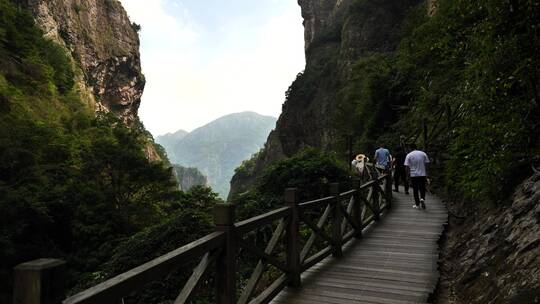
(383, 158)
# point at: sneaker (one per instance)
(414, 206)
(396, 190)
(423, 204)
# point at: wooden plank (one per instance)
(316, 258)
(357, 295)
(381, 281)
(348, 236)
(195, 278)
(338, 298)
(347, 213)
(347, 193)
(269, 293)
(394, 262)
(354, 289)
(365, 272)
(320, 233)
(226, 262)
(292, 239)
(313, 236)
(261, 220)
(259, 269)
(262, 255)
(337, 217)
(315, 203)
(126, 282)
(390, 285)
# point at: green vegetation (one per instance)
(136, 27)
(472, 72)
(72, 185)
(310, 171)
(27, 60)
(187, 223)
(247, 167)
(79, 187)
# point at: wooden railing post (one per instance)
(375, 197)
(39, 282)
(336, 221)
(357, 208)
(388, 190)
(293, 238)
(224, 217)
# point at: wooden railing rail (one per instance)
(261, 220)
(114, 289)
(303, 234)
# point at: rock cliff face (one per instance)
(337, 34)
(318, 15)
(496, 259)
(432, 7)
(104, 44)
(188, 178)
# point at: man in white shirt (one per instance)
(415, 162)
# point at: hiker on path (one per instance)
(360, 165)
(415, 162)
(399, 170)
(383, 158)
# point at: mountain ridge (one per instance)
(220, 146)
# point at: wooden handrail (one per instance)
(345, 215)
(348, 193)
(251, 224)
(126, 282)
(315, 203)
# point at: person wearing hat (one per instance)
(359, 163)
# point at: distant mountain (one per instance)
(189, 177)
(170, 139)
(217, 148)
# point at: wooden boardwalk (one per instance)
(395, 262)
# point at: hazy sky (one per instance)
(207, 58)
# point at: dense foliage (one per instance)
(26, 58)
(310, 171)
(186, 224)
(472, 73)
(72, 185)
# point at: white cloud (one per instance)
(190, 82)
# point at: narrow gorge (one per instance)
(82, 180)
(384, 71)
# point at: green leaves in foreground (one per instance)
(310, 171)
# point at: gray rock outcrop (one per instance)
(104, 45)
(494, 255)
(188, 178)
(337, 34)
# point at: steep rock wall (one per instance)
(495, 259)
(337, 34)
(188, 178)
(103, 43)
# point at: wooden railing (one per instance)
(304, 233)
